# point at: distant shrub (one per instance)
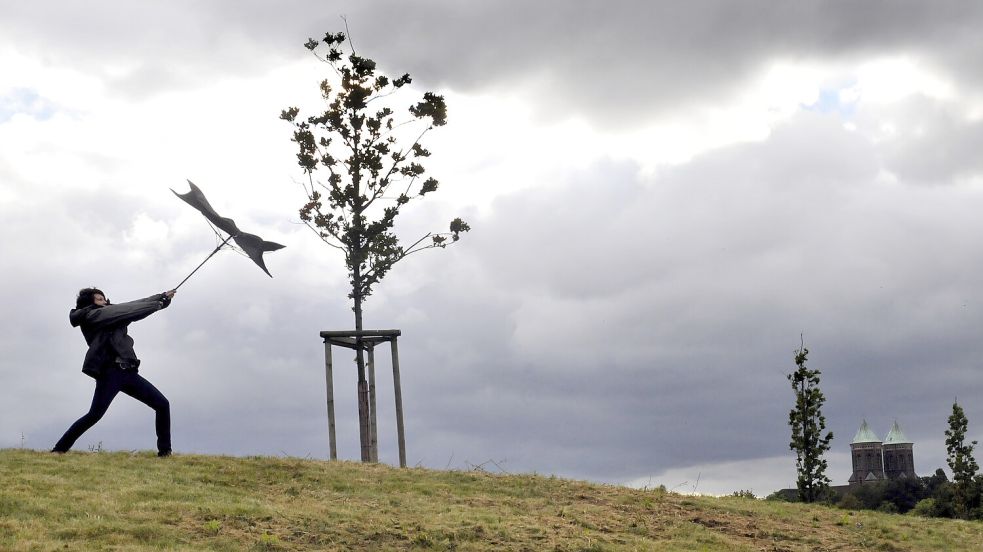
(743, 494)
(944, 501)
(905, 493)
(829, 497)
(787, 495)
(924, 508)
(870, 495)
(888, 508)
(850, 502)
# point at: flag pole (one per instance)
(220, 246)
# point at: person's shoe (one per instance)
(56, 451)
(163, 454)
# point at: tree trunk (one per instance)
(363, 385)
(356, 266)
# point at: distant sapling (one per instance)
(808, 423)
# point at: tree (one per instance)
(933, 482)
(807, 423)
(372, 164)
(959, 456)
(904, 493)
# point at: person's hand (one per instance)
(166, 300)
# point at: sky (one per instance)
(664, 197)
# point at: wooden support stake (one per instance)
(329, 381)
(399, 404)
(373, 428)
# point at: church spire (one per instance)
(895, 436)
(865, 435)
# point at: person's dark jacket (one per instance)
(104, 329)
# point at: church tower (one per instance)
(865, 449)
(899, 456)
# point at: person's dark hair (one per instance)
(87, 297)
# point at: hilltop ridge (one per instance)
(135, 502)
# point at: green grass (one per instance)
(136, 502)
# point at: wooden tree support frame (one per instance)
(368, 339)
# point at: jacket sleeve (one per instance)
(165, 301)
(124, 312)
(154, 297)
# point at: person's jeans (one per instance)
(108, 386)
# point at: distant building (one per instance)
(873, 460)
(876, 460)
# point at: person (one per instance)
(113, 363)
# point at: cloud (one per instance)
(928, 141)
(616, 65)
(625, 63)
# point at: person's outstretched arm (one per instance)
(130, 311)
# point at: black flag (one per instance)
(253, 245)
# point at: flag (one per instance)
(253, 245)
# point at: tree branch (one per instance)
(401, 156)
(325, 240)
(348, 34)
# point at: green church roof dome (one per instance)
(896, 437)
(865, 435)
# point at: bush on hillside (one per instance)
(783, 496)
(887, 508)
(849, 502)
(924, 508)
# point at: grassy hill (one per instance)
(135, 501)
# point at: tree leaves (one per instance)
(360, 152)
(959, 456)
(807, 423)
(332, 39)
(432, 106)
(289, 114)
(429, 185)
(458, 226)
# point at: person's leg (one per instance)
(106, 389)
(142, 390)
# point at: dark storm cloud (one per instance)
(619, 63)
(616, 63)
(141, 49)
